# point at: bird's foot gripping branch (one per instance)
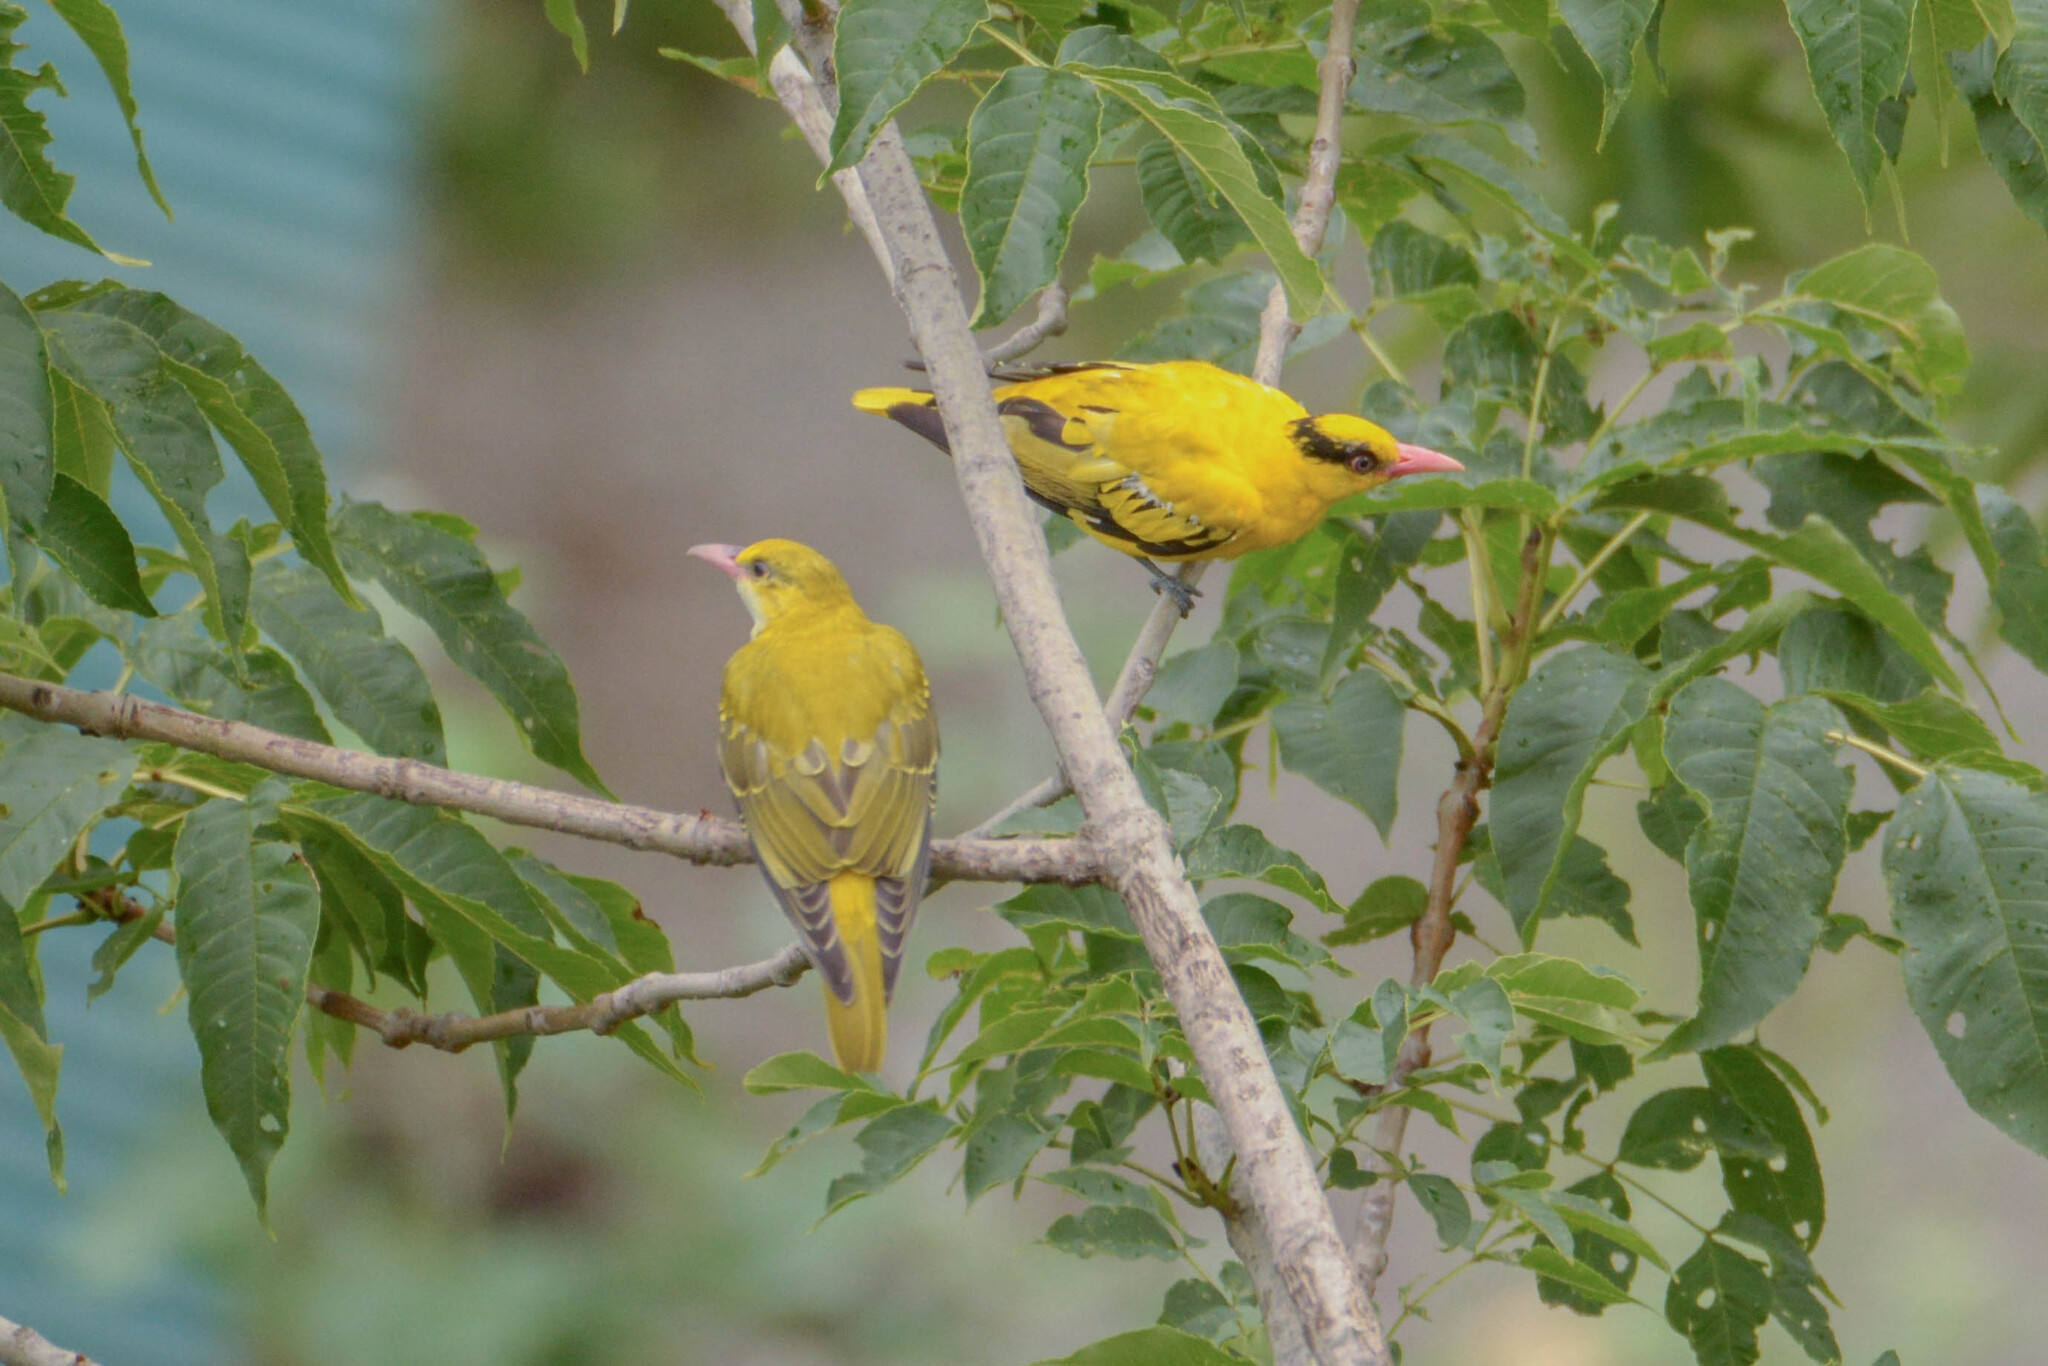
(1190, 1021)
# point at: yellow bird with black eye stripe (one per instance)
(1177, 460)
(827, 739)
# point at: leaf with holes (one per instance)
(1966, 862)
(1718, 1299)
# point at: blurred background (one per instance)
(606, 316)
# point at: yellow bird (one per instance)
(1177, 460)
(827, 739)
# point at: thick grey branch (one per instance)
(702, 838)
(21, 1345)
(1247, 1235)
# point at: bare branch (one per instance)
(455, 1031)
(702, 838)
(1050, 322)
(1456, 813)
(21, 1345)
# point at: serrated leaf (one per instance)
(1445, 73)
(31, 188)
(53, 783)
(1856, 55)
(1761, 869)
(882, 51)
(27, 456)
(443, 579)
(1575, 710)
(167, 442)
(247, 913)
(1184, 208)
(1158, 1346)
(99, 29)
(1718, 1299)
(1243, 851)
(374, 684)
(261, 422)
(1897, 289)
(1190, 119)
(1029, 142)
(891, 1144)
(1966, 863)
(1608, 31)
(1350, 745)
(87, 541)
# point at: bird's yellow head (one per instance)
(1348, 455)
(777, 578)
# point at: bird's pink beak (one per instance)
(726, 557)
(1413, 460)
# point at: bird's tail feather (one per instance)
(880, 401)
(860, 1027)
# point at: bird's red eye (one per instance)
(1363, 463)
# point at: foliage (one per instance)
(1588, 597)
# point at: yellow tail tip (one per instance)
(860, 1032)
(880, 401)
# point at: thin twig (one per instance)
(21, 1345)
(1589, 569)
(1879, 752)
(1431, 938)
(702, 838)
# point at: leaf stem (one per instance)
(1877, 751)
(186, 780)
(1479, 578)
(1589, 569)
(1011, 43)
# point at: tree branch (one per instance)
(1137, 853)
(1431, 938)
(21, 1345)
(455, 1031)
(702, 838)
(1050, 322)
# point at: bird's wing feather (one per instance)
(862, 805)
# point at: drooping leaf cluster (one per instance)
(1686, 580)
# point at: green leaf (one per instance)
(1368, 566)
(1243, 851)
(83, 433)
(1608, 31)
(177, 655)
(1193, 685)
(1675, 1129)
(1718, 1299)
(1184, 208)
(373, 683)
(99, 29)
(1761, 869)
(882, 51)
(2009, 145)
(1104, 1230)
(1191, 120)
(1932, 726)
(1000, 1151)
(169, 445)
(247, 914)
(799, 1072)
(1350, 745)
(1028, 147)
(1449, 491)
(39, 1061)
(27, 457)
(1575, 710)
(32, 189)
(1248, 927)
(890, 1145)
(1446, 73)
(54, 782)
(441, 578)
(87, 541)
(1783, 1189)
(2022, 80)
(1966, 862)
(1569, 997)
(1157, 1346)
(771, 35)
(562, 14)
(1856, 55)
(1894, 288)
(1588, 1281)
(2021, 590)
(1833, 649)
(1407, 261)
(1387, 906)
(261, 422)
(1446, 1206)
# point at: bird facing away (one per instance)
(1177, 460)
(827, 739)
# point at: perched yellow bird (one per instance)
(827, 739)
(1177, 460)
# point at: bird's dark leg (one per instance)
(1169, 584)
